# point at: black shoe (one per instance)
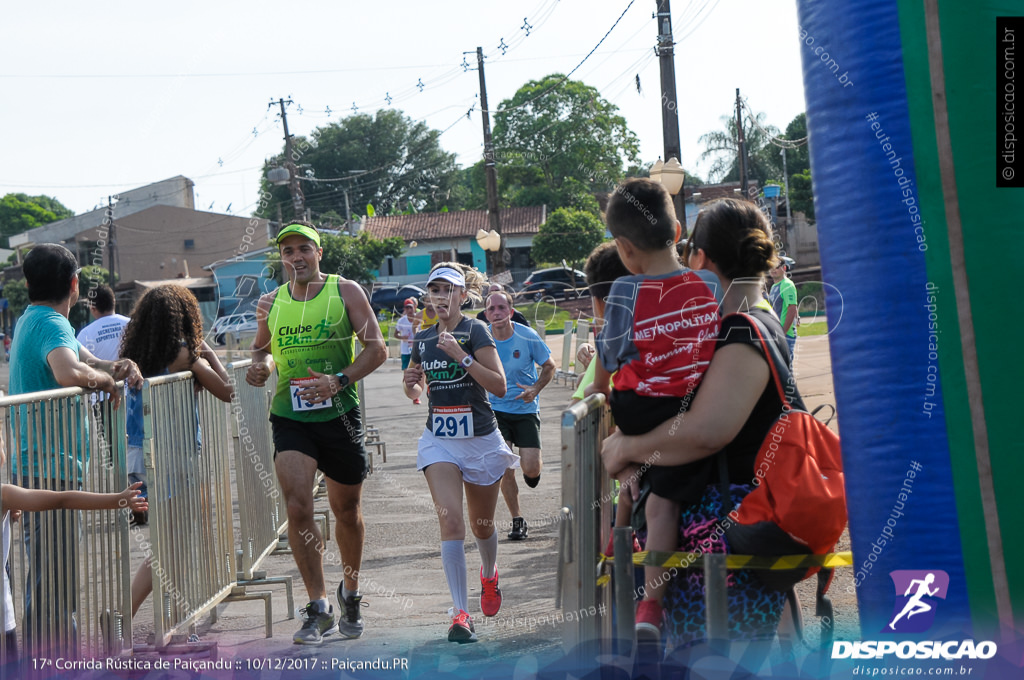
(139, 518)
(519, 529)
(351, 623)
(531, 482)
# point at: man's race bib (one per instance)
(298, 404)
(452, 422)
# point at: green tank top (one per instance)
(313, 334)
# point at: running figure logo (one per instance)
(916, 590)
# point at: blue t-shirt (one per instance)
(520, 355)
(39, 331)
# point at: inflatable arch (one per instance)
(911, 112)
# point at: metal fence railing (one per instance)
(585, 523)
(190, 510)
(262, 519)
(70, 569)
(261, 511)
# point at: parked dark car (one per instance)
(392, 298)
(557, 282)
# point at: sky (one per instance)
(112, 96)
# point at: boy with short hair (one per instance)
(658, 339)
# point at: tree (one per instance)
(21, 212)
(386, 160)
(353, 257)
(798, 159)
(568, 235)
(801, 194)
(722, 146)
(16, 292)
(555, 136)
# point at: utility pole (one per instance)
(111, 244)
(495, 261)
(298, 200)
(742, 144)
(785, 183)
(669, 103)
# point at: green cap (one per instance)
(301, 229)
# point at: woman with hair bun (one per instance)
(731, 412)
(461, 447)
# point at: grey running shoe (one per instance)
(351, 623)
(315, 624)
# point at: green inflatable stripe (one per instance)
(990, 219)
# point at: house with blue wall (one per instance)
(241, 280)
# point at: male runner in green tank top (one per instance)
(307, 330)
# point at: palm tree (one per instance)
(722, 146)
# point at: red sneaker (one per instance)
(610, 550)
(462, 628)
(490, 593)
(648, 621)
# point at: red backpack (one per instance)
(799, 506)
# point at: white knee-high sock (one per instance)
(453, 560)
(488, 548)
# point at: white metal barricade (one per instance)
(190, 511)
(71, 573)
(586, 519)
(261, 512)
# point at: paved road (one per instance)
(403, 585)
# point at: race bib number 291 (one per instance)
(452, 422)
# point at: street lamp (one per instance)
(669, 174)
(490, 241)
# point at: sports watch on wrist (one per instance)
(467, 361)
(343, 380)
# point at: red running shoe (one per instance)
(610, 550)
(490, 593)
(648, 621)
(462, 629)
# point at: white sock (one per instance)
(323, 604)
(488, 548)
(453, 561)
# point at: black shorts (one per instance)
(336, 445)
(520, 429)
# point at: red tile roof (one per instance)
(463, 224)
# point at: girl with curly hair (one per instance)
(164, 335)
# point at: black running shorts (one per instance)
(520, 429)
(336, 445)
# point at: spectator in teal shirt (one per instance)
(45, 356)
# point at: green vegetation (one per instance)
(815, 328)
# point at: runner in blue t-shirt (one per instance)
(518, 412)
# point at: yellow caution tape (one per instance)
(773, 562)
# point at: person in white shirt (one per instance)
(103, 336)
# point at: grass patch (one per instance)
(808, 329)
